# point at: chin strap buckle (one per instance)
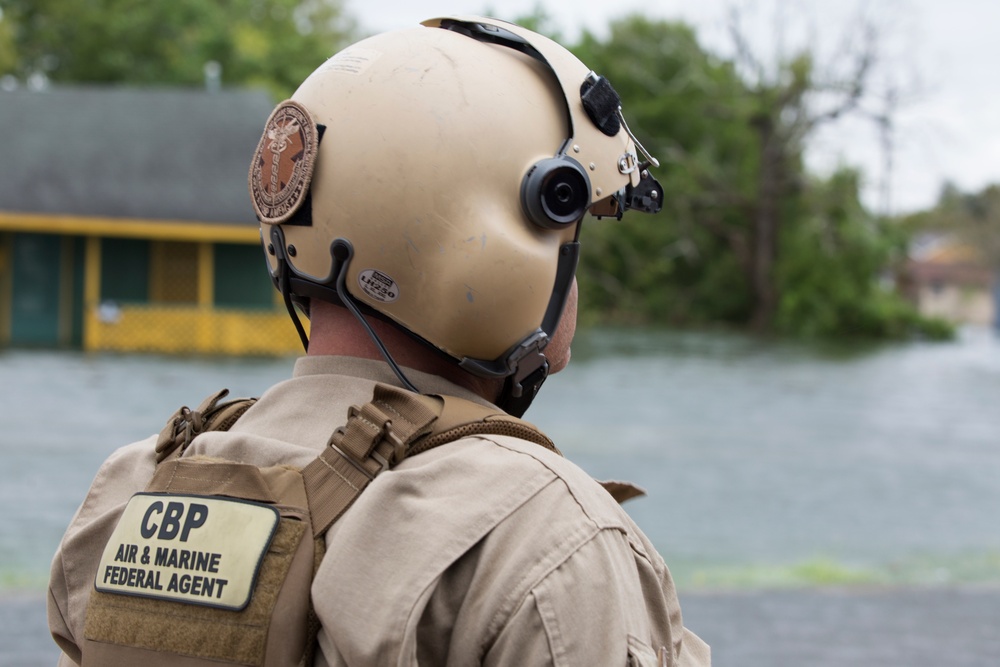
(529, 364)
(530, 368)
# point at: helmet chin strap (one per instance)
(343, 251)
(284, 285)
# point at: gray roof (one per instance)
(172, 154)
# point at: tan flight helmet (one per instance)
(436, 177)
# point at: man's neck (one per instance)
(335, 331)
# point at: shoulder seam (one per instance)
(608, 522)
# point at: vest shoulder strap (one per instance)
(459, 418)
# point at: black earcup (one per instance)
(555, 192)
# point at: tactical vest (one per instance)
(214, 561)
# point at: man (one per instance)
(420, 199)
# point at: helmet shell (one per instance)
(428, 137)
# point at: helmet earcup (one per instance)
(555, 192)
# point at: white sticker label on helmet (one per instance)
(351, 61)
(378, 286)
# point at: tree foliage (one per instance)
(829, 267)
(672, 268)
(267, 43)
(746, 237)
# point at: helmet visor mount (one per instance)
(590, 97)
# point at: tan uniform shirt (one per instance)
(489, 550)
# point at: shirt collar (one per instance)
(379, 371)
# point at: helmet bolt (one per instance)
(270, 248)
(593, 166)
(654, 195)
(292, 251)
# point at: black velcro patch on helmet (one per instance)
(601, 103)
(303, 215)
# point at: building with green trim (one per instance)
(125, 223)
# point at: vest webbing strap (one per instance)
(381, 433)
(185, 424)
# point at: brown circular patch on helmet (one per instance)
(283, 165)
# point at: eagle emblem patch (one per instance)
(283, 164)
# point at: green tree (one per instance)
(8, 53)
(267, 43)
(834, 267)
(746, 236)
(677, 267)
(785, 102)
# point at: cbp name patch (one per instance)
(192, 549)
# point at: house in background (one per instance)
(125, 223)
(948, 279)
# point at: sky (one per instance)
(942, 57)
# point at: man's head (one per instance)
(436, 178)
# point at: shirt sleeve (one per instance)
(58, 626)
(72, 575)
(608, 603)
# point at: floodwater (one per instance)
(766, 464)
(772, 464)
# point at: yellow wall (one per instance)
(176, 329)
(181, 272)
(184, 321)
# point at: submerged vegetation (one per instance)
(979, 568)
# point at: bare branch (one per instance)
(744, 52)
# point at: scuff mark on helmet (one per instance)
(409, 242)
